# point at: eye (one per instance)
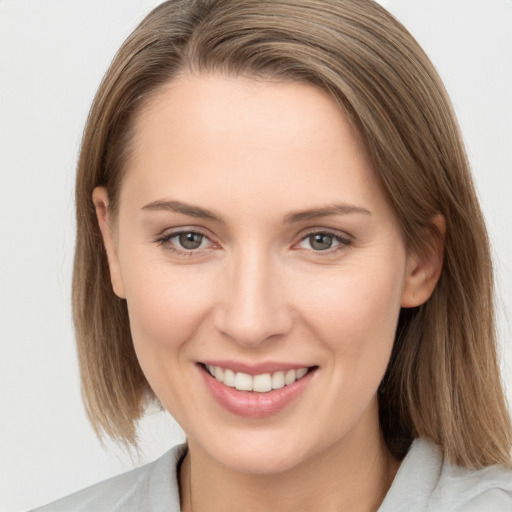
(320, 241)
(186, 242)
(323, 241)
(189, 241)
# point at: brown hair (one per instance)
(443, 380)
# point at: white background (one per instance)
(52, 57)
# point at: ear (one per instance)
(101, 204)
(423, 269)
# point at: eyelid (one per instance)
(164, 237)
(186, 228)
(343, 238)
(167, 234)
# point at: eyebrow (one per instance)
(325, 211)
(180, 207)
(290, 218)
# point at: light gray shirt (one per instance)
(423, 484)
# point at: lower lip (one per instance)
(252, 404)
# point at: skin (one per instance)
(258, 289)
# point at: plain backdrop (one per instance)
(52, 56)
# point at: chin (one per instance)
(260, 453)
(256, 460)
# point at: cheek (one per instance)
(363, 302)
(354, 315)
(355, 309)
(166, 305)
(166, 308)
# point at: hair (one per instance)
(443, 378)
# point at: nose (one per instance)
(252, 306)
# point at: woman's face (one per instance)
(253, 238)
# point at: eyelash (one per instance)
(343, 241)
(165, 239)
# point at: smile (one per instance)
(255, 392)
(262, 383)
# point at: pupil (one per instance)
(191, 240)
(320, 242)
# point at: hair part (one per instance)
(443, 379)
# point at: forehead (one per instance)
(211, 106)
(243, 138)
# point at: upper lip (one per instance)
(255, 368)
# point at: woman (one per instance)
(279, 241)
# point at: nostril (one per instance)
(251, 328)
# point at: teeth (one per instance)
(262, 383)
(229, 378)
(259, 383)
(243, 382)
(219, 373)
(278, 380)
(289, 378)
(301, 372)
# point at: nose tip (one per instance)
(254, 330)
(253, 309)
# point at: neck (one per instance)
(354, 476)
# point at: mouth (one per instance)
(260, 383)
(253, 394)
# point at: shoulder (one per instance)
(151, 487)
(426, 483)
(467, 490)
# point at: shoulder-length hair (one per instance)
(443, 379)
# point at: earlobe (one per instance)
(424, 269)
(101, 205)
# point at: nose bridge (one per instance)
(253, 306)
